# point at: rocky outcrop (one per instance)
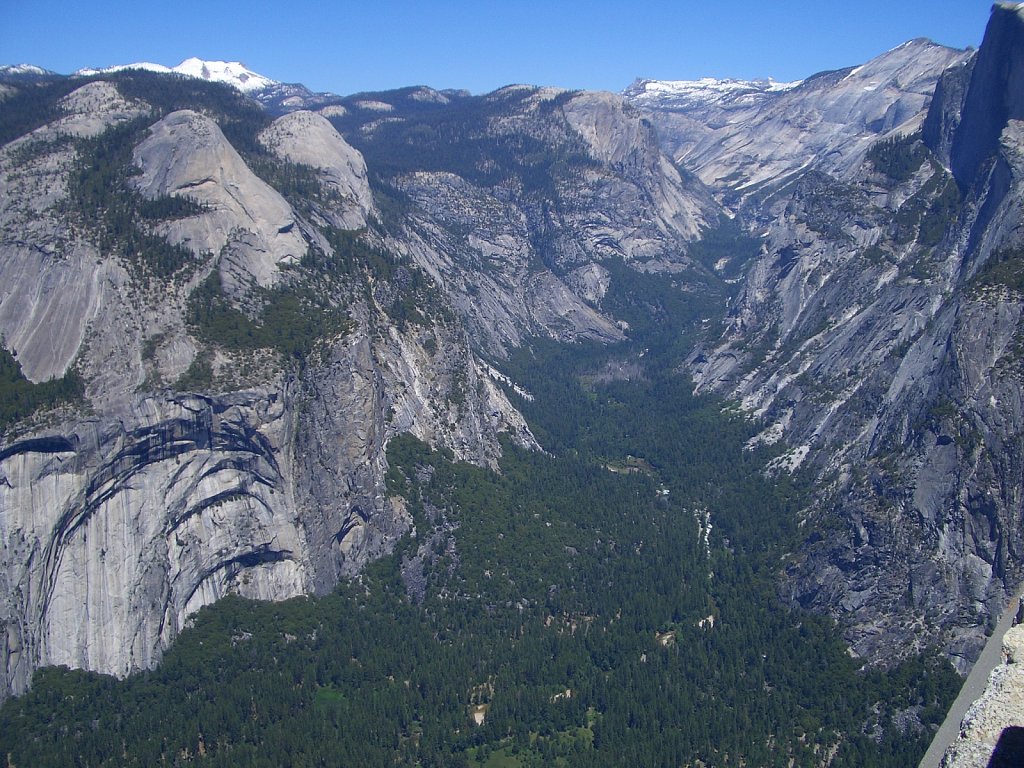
(992, 732)
(117, 528)
(821, 123)
(511, 248)
(115, 531)
(50, 287)
(479, 248)
(247, 220)
(92, 109)
(996, 93)
(308, 138)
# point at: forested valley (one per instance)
(611, 601)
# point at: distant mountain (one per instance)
(738, 136)
(24, 71)
(685, 95)
(275, 96)
(288, 97)
(231, 72)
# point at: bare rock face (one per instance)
(43, 294)
(943, 118)
(115, 531)
(308, 138)
(875, 334)
(117, 528)
(991, 732)
(617, 136)
(50, 288)
(996, 93)
(821, 122)
(186, 154)
(94, 108)
(519, 249)
(478, 246)
(120, 521)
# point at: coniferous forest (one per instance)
(611, 601)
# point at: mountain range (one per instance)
(225, 297)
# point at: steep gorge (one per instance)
(878, 334)
(328, 280)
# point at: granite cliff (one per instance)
(253, 321)
(877, 332)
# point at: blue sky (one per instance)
(348, 47)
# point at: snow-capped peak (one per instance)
(146, 65)
(23, 70)
(233, 73)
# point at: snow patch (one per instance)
(705, 91)
(23, 69)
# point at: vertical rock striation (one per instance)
(996, 93)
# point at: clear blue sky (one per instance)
(347, 47)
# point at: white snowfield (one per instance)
(233, 73)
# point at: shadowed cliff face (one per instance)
(995, 95)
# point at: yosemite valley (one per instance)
(681, 426)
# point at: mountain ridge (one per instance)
(232, 73)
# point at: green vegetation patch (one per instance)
(466, 137)
(546, 590)
(291, 319)
(927, 215)
(1004, 267)
(20, 398)
(727, 246)
(33, 106)
(900, 157)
